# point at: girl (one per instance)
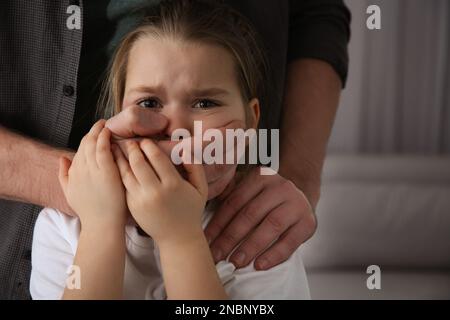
(191, 61)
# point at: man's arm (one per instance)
(311, 99)
(318, 37)
(29, 171)
(29, 168)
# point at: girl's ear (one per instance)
(253, 113)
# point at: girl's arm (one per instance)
(189, 271)
(169, 209)
(94, 190)
(100, 258)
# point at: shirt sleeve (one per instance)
(320, 29)
(286, 281)
(52, 255)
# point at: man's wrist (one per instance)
(53, 195)
(23, 158)
(308, 180)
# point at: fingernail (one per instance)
(262, 264)
(239, 258)
(217, 254)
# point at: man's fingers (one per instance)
(244, 222)
(136, 121)
(63, 174)
(288, 242)
(273, 225)
(247, 189)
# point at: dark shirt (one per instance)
(50, 76)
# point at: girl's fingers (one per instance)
(128, 179)
(103, 152)
(141, 168)
(196, 175)
(63, 175)
(91, 143)
(159, 161)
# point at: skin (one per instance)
(281, 207)
(312, 95)
(179, 74)
(311, 98)
(92, 185)
(135, 122)
(173, 78)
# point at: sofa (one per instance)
(392, 212)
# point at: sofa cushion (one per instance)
(395, 284)
(388, 211)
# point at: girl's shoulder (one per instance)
(285, 281)
(53, 249)
(52, 223)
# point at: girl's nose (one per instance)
(178, 119)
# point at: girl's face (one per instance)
(186, 82)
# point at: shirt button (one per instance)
(68, 90)
(27, 255)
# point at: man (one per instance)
(50, 68)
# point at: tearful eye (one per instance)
(205, 104)
(149, 103)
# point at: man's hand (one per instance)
(137, 122)
(261, 209)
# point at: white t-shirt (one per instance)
(55, 242)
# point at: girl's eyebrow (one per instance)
(140, 89)
(209, 92)
(194, 92)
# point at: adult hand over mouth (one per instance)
(135, 123)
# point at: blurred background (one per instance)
(386, 182)
(398, 92)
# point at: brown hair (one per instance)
(205, 21)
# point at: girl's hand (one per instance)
(92, 183)
(166, 207)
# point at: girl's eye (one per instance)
(149, 103)
(205, 104)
